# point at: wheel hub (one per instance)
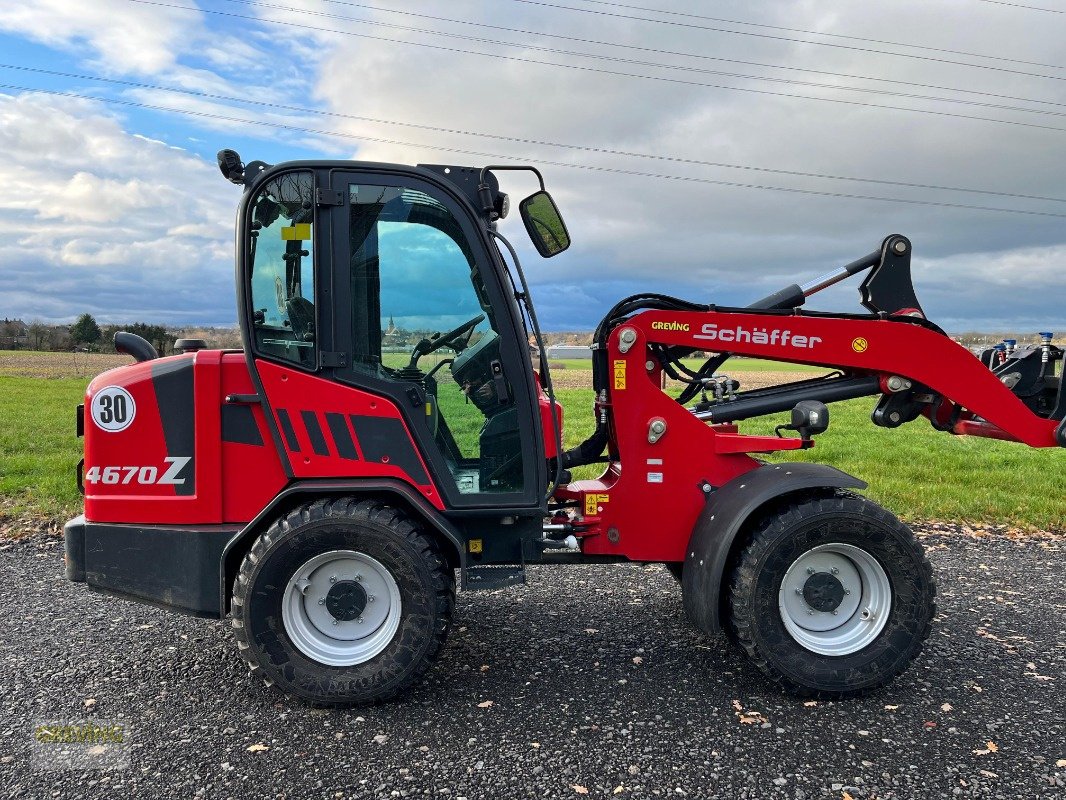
(341, 608)
(346, 600)
(823, 592)
(835, 599)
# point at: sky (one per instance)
(716, 159)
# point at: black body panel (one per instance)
(173, 384)
(239, 426)
(173, 567)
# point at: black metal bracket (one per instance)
(326, 359)
(329, 197)
(242, 399)
(889, 288)
(500, 383)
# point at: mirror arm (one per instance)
(484, 191)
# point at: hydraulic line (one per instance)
(545, 375)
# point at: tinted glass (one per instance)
(420, 316)
(282, 275)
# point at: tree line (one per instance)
(86, 334)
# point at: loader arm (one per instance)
(892, 347)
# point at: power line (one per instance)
(681, 53)
(562, 164)
(801, 41)
(834, 35)
(520, 140)
(654, 64)
(1015, 5)
(598, 70)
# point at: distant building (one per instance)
(570, 351)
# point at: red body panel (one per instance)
(251, 475)
(547, 432)
(178, 415)
(177, 406)
(306, 400)
(646, 509)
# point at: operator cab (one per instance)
(387, 279)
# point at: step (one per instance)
(493, 577)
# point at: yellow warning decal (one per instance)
(619, 374)
(593, 502)
(859, 345)
(475, 545)
(299, 232)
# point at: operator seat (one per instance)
(301, 313)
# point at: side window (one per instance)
(421, 316)
(283, 276)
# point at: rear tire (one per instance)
(817, 556)
(343, 601)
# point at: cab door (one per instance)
(422, 316)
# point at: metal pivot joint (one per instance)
(627, 337)
(656, 430)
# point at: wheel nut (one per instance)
(360, 620)
(834, 570)
(810, 612)
(799, 590)
(321, 601)
(834, 612)
(334, 622)
(370, 598)
(358, 577)
(810, 570)
(847, 591)
(332, 578)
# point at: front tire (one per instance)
(832, 596)
(342, 602)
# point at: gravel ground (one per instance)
(597, 685)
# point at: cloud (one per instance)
(98, 219)
(724, 243)
(130, 36)
(83, 194)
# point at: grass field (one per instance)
(38, 448)
(917, 472)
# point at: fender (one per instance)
(723, 518)
(237, 546)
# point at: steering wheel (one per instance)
(439, 340)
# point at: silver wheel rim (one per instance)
(859, 615)
(328, 589)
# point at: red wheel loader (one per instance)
(387, 426)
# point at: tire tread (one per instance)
(743, 618)
(353, 510)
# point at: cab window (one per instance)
(421, 317)
(282, 274)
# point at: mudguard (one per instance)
(727, 509)
(240, 543)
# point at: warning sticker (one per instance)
(593, 502)
(619, 374)
(299, 232)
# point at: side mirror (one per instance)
(544, 224)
